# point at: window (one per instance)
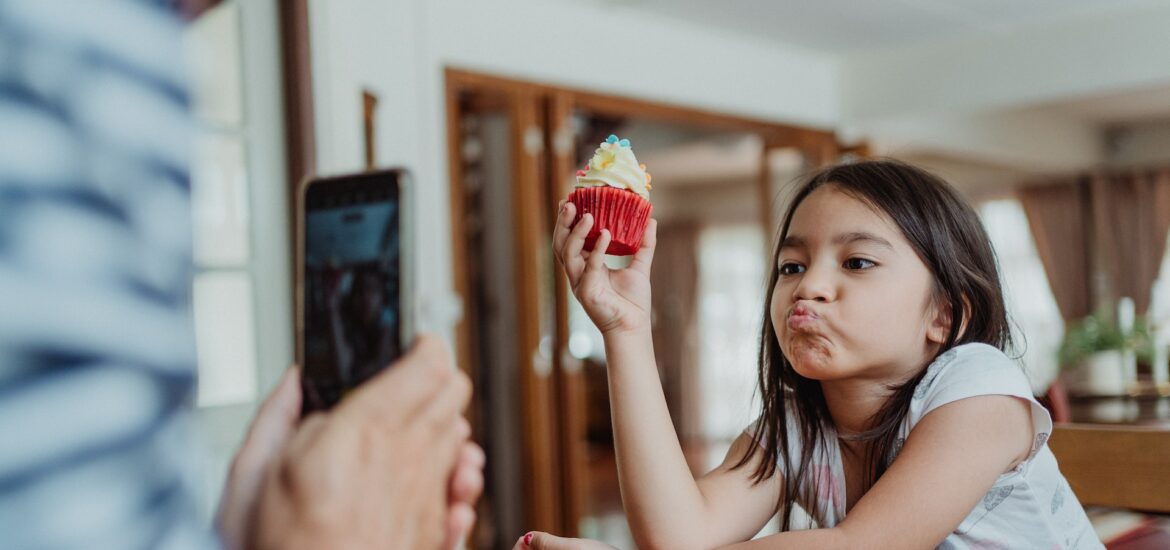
(732, 276)
(223, 303)
(239, 199)
(1037, 326)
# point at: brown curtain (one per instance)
(1100, 237)
(1059, 217)
(1134, 216)
(675, 279)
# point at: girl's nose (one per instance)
(815, 285)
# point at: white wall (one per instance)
(620, 50)
(971, 96)
(1024, 140)
(1090, 56)
(964, 98)
(398, 49)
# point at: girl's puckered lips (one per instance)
(801, 317)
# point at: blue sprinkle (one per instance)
(611, 139)
(624, 143)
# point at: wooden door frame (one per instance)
(820, 145)
(558, 508)
(568, 378)
(299, 131)
(542, 496)
(544, 502)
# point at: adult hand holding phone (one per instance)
(389, 467)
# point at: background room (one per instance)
(1052, 117)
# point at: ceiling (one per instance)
(842, 28)
(848, 26)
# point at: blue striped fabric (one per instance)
(97, 359)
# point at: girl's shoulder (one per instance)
(973, 367)
(972, 370)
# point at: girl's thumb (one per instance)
(545, 541)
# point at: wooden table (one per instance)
(1149, 410)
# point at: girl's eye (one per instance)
(791, 268)
(858, 264)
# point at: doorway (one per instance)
(541, 404)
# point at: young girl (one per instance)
(890, 411)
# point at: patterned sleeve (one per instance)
(973, 370)
(96, 344)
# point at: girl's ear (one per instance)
(940, 325)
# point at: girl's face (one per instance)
(853, 299)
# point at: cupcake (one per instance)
(616, 190)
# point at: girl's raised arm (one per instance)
(665, 505)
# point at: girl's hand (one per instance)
(545, 541)
(617, 300)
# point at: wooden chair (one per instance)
(1117, 466)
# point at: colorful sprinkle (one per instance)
(581, 173)
(611, 139)
(624, 143)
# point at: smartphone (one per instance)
(353, 283)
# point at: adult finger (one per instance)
(304, 440)
(645, 254)
(275, 421)
(273, 426)
(463, 490)
(460, 520)
(467, 479)
(406, 387)
(447, 405)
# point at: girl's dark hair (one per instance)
(949, 238)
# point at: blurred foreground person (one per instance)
(97, 362)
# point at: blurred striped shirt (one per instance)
(97, 359)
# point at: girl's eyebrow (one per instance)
(792, 241)
(863, 237)
(795, 241)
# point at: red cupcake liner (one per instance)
(624, 213)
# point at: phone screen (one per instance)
(351, 301)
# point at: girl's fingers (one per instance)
(571, 253)
(645, 255)
(564, 223)
(597, 256)
(545, 541)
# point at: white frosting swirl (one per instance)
(615, 165)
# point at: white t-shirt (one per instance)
(1031, 506)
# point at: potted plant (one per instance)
(1096, 348)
